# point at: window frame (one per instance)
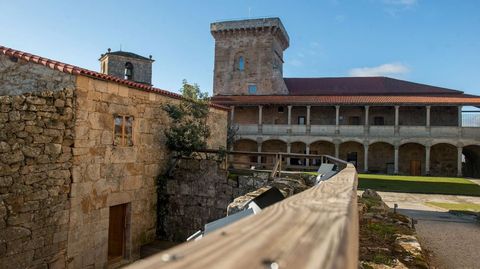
(250, 92)
(241, 63)
(123, 134)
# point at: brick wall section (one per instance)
(36, 138)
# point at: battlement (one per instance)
(272, 25)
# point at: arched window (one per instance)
(241, 63)
(129, 71)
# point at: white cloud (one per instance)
(381, 70)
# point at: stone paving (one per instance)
(454, 240)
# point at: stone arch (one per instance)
(412, 141)
(299, 148)
(381, 158)
(471, 162)
(245, 144)
(273, 145)
(373, 141)
(443, 160)
(354, 140)
(411, 159)
(321, 147)
(353, 152)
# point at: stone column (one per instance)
(289, 116)
(366, 120)
(460, 116)
(397, 120)
(365, 157)
(307, 151)
(337, 119)
(428, 116)
(395, 169)
(459, 161)
(232, 114)
(427, 160)
(289, 150)
(337, 150)
(260, 119)
(308, 120)
(259, 149)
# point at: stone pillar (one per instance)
(232, 114)
(307, 151)
(397, 118)
(308, 120)
(337, 119)
(366, 128)
(260, 119)
(259, 149)
(459, 161)
(428, 116)
(289, 150)
(395, 169)
(365, 157)
(337, 150)
(427, 160)
(459, 116)
(289, 116)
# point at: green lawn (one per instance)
(434, 185)
(457, 207)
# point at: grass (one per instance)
(457, 207)
(416, 184)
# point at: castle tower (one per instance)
(127, 65)
(249, 57)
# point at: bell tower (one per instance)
(249, 57)
(127, 65)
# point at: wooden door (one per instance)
(116, 231)
(415, 168)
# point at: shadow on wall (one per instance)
(419, 187)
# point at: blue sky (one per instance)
(435, 42)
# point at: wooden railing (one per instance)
(317, 228)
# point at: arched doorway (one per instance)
(411, 159)
(321, 148)
(273, 145)
(443, 160)
(381, 158)
(471, 162)
(245, 161)
(299, 148)
(352, 152)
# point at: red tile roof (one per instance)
(346, 100)
(362, 86)
(75, 70)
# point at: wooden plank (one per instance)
(317, 228)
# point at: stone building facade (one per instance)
(127, 65)
(382, 125)
(80, 153)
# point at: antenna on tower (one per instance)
(249, 12)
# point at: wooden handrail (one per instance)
(317, 228)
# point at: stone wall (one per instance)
(36, 139)
(18, 77)
(115, 66)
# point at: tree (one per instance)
(188, 131)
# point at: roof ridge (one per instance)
(76, 70)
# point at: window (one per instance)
(354, 120)
(378, 121)
(301, 120)
(252, 89)
(123, 131)
(281, 109)
(241, 63)
(129, 71)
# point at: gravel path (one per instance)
(454, 240)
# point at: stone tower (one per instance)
(249, 57)
(127, 65)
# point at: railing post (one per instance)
(366, 130)
(397, 119)
(337, 119)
